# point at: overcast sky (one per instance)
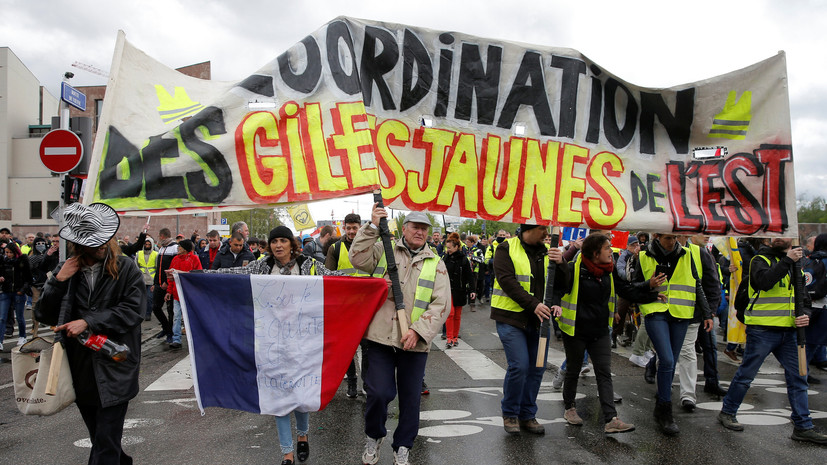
(648, 43)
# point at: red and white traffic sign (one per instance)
(61, 150)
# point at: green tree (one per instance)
(491, 227)
(259, 220)
(812, 211)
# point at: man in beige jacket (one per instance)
(392, 360)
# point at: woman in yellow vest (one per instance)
(588, 303)
(667, 320)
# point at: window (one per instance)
(98, 108)
(36, 210)
(51, 206)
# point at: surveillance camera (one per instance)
(69, 75)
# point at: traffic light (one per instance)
(70, 189)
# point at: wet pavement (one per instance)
(460, 418)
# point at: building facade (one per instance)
(28, 191)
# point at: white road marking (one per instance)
(177, 378)
(475, 363)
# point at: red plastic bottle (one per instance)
(100, 343)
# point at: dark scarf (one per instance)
(597, 269)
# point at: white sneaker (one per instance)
(585, 369)
(557, 382)
(400, 457)
(639, 360)
(21, 341)
(371, 454)
(648, 355)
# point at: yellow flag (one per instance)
(301, 217)
(736, 331)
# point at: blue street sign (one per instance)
(72, 96)
(572, 234)
(223, 220)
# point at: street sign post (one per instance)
(72, 96)
(61, 150)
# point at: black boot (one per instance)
(651, 371)
(663, 417)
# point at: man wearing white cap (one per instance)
(393, 360)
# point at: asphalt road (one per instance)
(460, 418)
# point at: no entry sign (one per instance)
(61, 150)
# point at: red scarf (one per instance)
(597, 269)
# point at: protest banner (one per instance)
(456, 124)
(283, 342)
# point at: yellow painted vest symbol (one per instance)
(176, 106)
(733, 121)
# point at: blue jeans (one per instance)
(286, 433)
(148, 302)
(177, 320)
(760, 344)
(6, 301)
(522, 379)
(666, 333)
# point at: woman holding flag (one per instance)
(585, 317)
(285, 258)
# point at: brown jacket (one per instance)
(365, 253)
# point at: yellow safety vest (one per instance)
(522, 270)
(775, 307)
(345, 266)
(424, 286)
(680, 289)
(147, 266)
(569, 303)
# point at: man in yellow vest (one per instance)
(146, 263)
(337, 259)
(771, 329)
(667, 322)
(394, 361)
(520, 269)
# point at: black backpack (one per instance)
(815, 277)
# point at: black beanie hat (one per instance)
(526, 227)
(280, 231)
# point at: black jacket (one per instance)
(17, 276)
(592, 320)
(224, 258)
(461, 277)
(113, 308)
(505, 274)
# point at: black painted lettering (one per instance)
(415, 56)
(572, 69)
(619, 138)
(678, 125)
(309, 78)
(529, 89)
(118, 149)
(474, 80)
(347, 83)
(211, 119)
(374, 67)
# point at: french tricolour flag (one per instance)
(272, 344)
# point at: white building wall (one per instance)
(22, 176)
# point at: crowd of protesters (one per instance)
(658, 295)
